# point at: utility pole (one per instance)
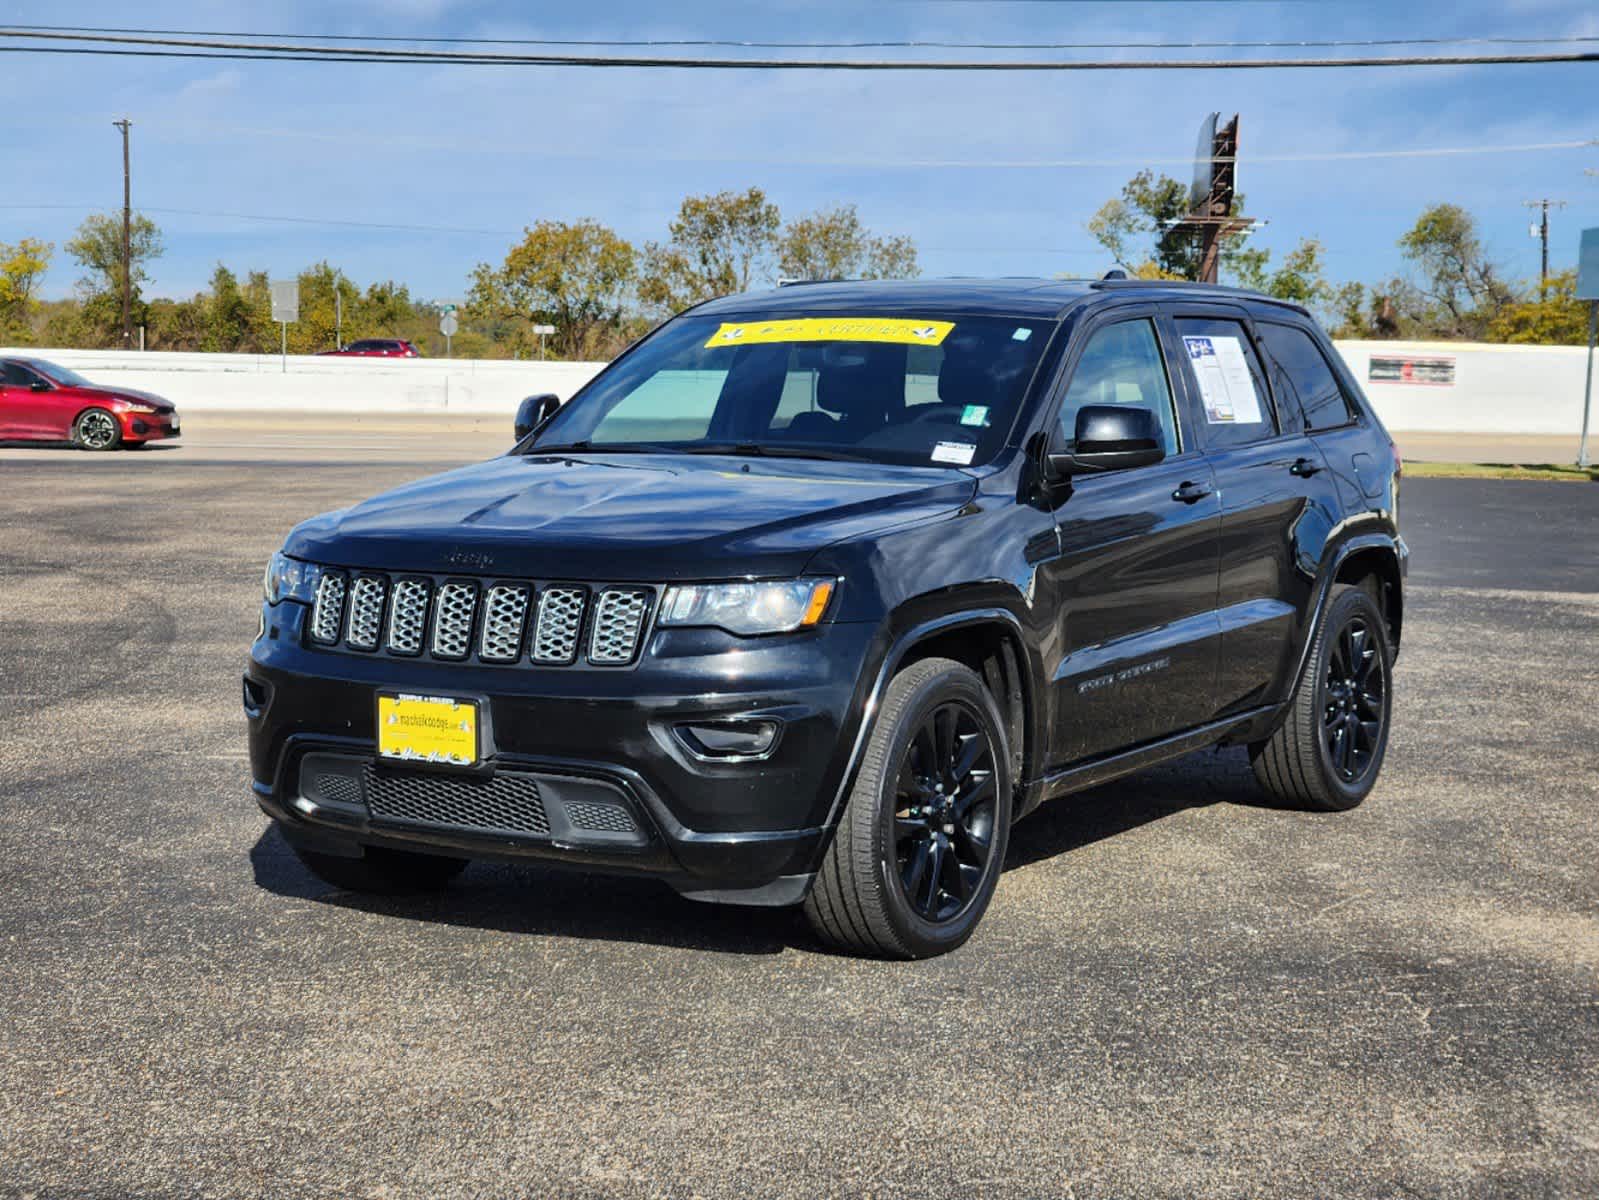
(1541, 232)
(127, 235)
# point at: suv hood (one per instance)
(634, 517)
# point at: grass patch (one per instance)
(1558, 472)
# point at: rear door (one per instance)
(1278, 504)
(24, 413)
(1136, 576)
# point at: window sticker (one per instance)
(959, 453)
(975, 414)
(1022, 334)
(1226, 387)
(901, 331)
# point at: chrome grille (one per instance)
(560, 623)
(408, 614)
(618, 621)
(452, 619)
(365, 621)
(327, 614)
(504, 614)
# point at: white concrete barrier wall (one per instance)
(1445, 387)
(266, 382)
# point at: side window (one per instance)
(1321, 399)
(1229, 381)
(15, 375)
(1122, 364)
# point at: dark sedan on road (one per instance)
(42, 401)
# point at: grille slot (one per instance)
(408, 614)
(559, 626)
(453, 613)
(618, 621)
(327, 614)
(365, 622)
(504, 615)
(507, 802)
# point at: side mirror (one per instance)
(534, 411)
(1111, 437)
(38, 385)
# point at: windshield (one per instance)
(57, 374)
(921, 389)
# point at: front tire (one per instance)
(919, 849)
(383, 871)
(1327, 753)
(96, 429)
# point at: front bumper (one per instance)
(746, 831)
(150, 427)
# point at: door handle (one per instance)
(1304, 467)
(1188, 493)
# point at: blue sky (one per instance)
(493, 149)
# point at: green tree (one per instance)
(1135, 229)
(98, 248)
(1555, 318)
(1460, 291)
(1301, 279)
(574, 276)
(833, 244)
(719, 245)
(22, 266)
(233, 322)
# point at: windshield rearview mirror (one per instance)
(534, 411)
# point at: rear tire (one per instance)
(383, 871)
(920, 846)
(96, 429)
(1328, 751)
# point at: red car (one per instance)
(377, 348)
(43, 402)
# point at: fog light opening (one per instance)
(728, 740)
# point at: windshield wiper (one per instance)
(767, 450)
(589, 447)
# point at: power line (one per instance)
(916, 44)
(162, 47)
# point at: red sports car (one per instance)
(43, 402)
(377, 348)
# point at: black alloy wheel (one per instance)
(944, 812)
(1328, 749)
(1354, 707)
(920, 844)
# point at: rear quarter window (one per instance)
(1309, 374)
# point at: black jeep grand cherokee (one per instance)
(811, 594)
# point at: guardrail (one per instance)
(1436, 387)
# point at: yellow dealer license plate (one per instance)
(429, 729)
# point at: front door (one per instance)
(1136, 577)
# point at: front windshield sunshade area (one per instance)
(921, 389)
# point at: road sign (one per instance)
(285, 300)
(448, 324)
(1588, 266)
(543, 330)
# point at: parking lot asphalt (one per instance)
(1179, 991)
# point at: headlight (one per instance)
(135, 406)
(290, 579)
(749, 608)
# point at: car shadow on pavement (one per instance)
(552, 901)
(548, 901)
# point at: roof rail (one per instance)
(786, 282)
(1113, 274)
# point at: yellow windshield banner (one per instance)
(832, 329)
